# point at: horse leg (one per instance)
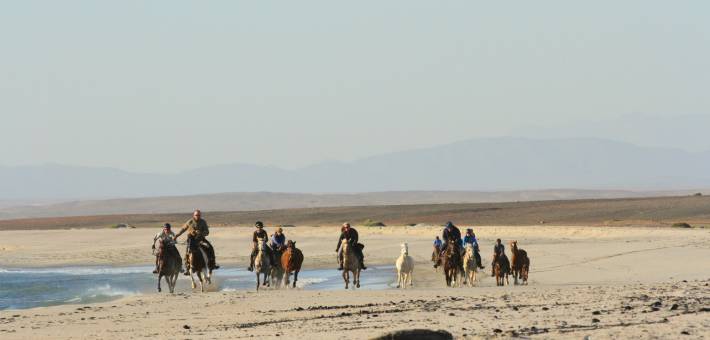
(192, 271)
(357, 277)
(160, 276)
(257, 280)
(346, 277)
(399, 277)
(287, 273)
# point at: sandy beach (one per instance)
(607, 282)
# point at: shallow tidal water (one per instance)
(22, 288)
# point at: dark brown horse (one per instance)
(502, 270)
(169, 264)
(451, 261)
(198, 263)
(520, 263)
(291, 260)
(435, 257)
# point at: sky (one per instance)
(170, 86)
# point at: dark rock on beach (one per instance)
(415, 334)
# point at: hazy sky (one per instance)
(171, 86)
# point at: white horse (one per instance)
(405, 266)
(469, 265)
(262, 264)
(350, 264)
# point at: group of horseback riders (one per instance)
(198, 230)
(452, 233)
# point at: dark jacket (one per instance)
(197, 228)
(499, 249)
(279, 240)
(260, 235)
(351, 236)
(454, 235)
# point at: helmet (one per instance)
(166, 226)
(258, 224)
(498, 240)
(449, 225)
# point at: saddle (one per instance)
(194, 245)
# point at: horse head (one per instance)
(346, 247)
(405, 248)
(513, 246)
(261, 244)
(469, 249)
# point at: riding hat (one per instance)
(449, 225)
(498, 240)
(258, 224)
(167, 225)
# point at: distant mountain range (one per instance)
(686, 132)
(485, 164)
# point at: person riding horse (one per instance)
(199, 230)
(260, 234)
(437, 245)
(451, 233)
(165, 237)
(350, 234)
(279, 240)
(498, 249)
(470, 238)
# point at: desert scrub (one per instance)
(680, 225)
(407, 224)
(284, 226)
(373, 224)
(121, 225)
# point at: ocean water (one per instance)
(22, 288)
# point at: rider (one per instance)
(199, 230)
(451, 233)
(279, 239)
(498, 249)
(470, 238)
(437, 242)
(350, 234)
(166, 237)
(260, 234)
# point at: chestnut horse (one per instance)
(198, 264)
(451, 262)
(502, 269)
(291, 260)
(520, 263)
(169, 264)
(350, 264)
(435, 257)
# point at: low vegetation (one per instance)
(121, 225)
(408, 224)
(680, 225)
(373, 224)
(284, 226)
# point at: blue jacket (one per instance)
(437, 243)
(471, 240)
(279, 240)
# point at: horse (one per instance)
(435, 257)
(262, 264)
(502, 268)
(291, 260)
(277, 273)
(405, 266)
(198, 263)
(451, 261)
(169, 264)
(469, 265)
(520, 263)
(350, 264)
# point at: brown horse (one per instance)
(435, 257)
(451, 262)
(520, 263)
(291, 260)
(502, 269)
(198, 264)
(169, 264)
